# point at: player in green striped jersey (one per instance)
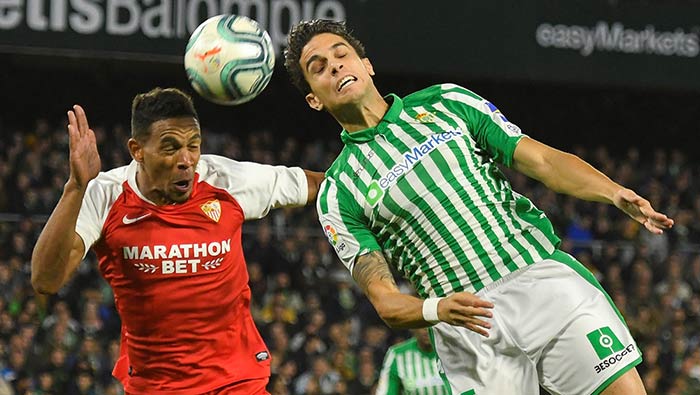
(410, 368)
(417, 187)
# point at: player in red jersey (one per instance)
(167, 233)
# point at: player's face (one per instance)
(338, 77)
(168, 159)
(423, 338)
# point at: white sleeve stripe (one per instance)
(480, 105)
(466, 99)
(345, 245)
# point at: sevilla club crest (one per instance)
(212, 209)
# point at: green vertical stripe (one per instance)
(506, 193)
(443, 233)
(356, 180)
(423, 176)
(448, 387)
(383, 236)
(397, 210)
(452, 242)
(461, 222)
(498, 217)
(471, 237)
(323, 200)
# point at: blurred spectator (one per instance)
(323, 335)
(320, 373)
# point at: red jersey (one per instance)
(178, 273)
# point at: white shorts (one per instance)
(553, 325)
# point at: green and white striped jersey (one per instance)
(423, 188)
(408, 370)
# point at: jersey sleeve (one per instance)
(389, 382)
(258, 188)
(98, 199)
(489, 127)
(343, 223)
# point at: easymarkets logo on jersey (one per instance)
(377, 188)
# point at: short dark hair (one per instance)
(301, 34)
(158, 104)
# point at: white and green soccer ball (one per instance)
(229, 59)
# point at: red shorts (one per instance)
(247, 387)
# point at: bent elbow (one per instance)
(390, 318)
(393, 323)
(44, 288)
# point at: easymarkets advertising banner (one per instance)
(587, 41)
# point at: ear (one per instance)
(368, 66)
(135, 149)
(314, 102)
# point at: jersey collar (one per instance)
(365, 135)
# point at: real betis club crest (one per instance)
(212, 209)
(426, 117)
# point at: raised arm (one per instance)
(59, 249)
(567, 173)
(372, 274)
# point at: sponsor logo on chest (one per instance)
(177, 258)
(406, 162)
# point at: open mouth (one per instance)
(182, 185)
(347, 80)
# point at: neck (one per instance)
(354, 117)
(425, 347)
(147, 189)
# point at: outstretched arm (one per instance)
(567, 173)
(372, 274)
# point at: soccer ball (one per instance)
(229, 59)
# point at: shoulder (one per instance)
(213, 164)
(220, 171)
(404, 346)
(109, 183)
(339, 165)
(439, 92)
(115, 176)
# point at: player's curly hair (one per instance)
(301, 34)
(158, 104)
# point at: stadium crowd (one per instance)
(324, 336)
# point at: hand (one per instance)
(463, 309)
(84, 157)
(641, 211)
